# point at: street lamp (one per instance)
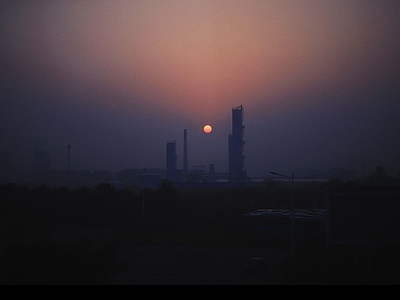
(291, 179)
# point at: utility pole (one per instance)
(291, 179)
(69, 158)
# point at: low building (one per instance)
(150, 181)
(306, 221)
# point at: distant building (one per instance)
(150, 181)
(211, 173)
(179, 175)
(279, 219)
(185, 169)
(171, 161)
(236, 147)
(90, 179)
(342, 174)
(131, 177)
(117, 184)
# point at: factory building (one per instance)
(185, 170)
(150, 181)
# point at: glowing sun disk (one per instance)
(207, 128)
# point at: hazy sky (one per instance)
(318, 80)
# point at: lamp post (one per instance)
(143, 202)
(291, 179)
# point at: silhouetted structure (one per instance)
(342, 174)
(132, 179)
(199, 169)
(117, 184)
(185, 156)
(171, 161)
(236, 147)
(150, 181)
(211, 173)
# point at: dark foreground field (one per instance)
(107, 236)
(189, 265)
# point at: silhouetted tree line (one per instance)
(38, 211)
(47, 263)
(32, 219)
(199, 215)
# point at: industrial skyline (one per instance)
(236, 172)
(116, 80)
(124, 155)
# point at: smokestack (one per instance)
(185, 155)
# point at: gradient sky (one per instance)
(318, 80)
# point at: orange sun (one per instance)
(207, 128)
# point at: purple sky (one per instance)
(319, 82)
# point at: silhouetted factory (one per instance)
(171, 161)
(236, 174)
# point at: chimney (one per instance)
(185, 155)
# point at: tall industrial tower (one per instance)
(171, 161)
(236, 147)
(185, 155)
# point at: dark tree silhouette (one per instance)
(167, 204)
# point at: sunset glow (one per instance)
(199, 54)
(166, 65)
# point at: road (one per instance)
(185, 265)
